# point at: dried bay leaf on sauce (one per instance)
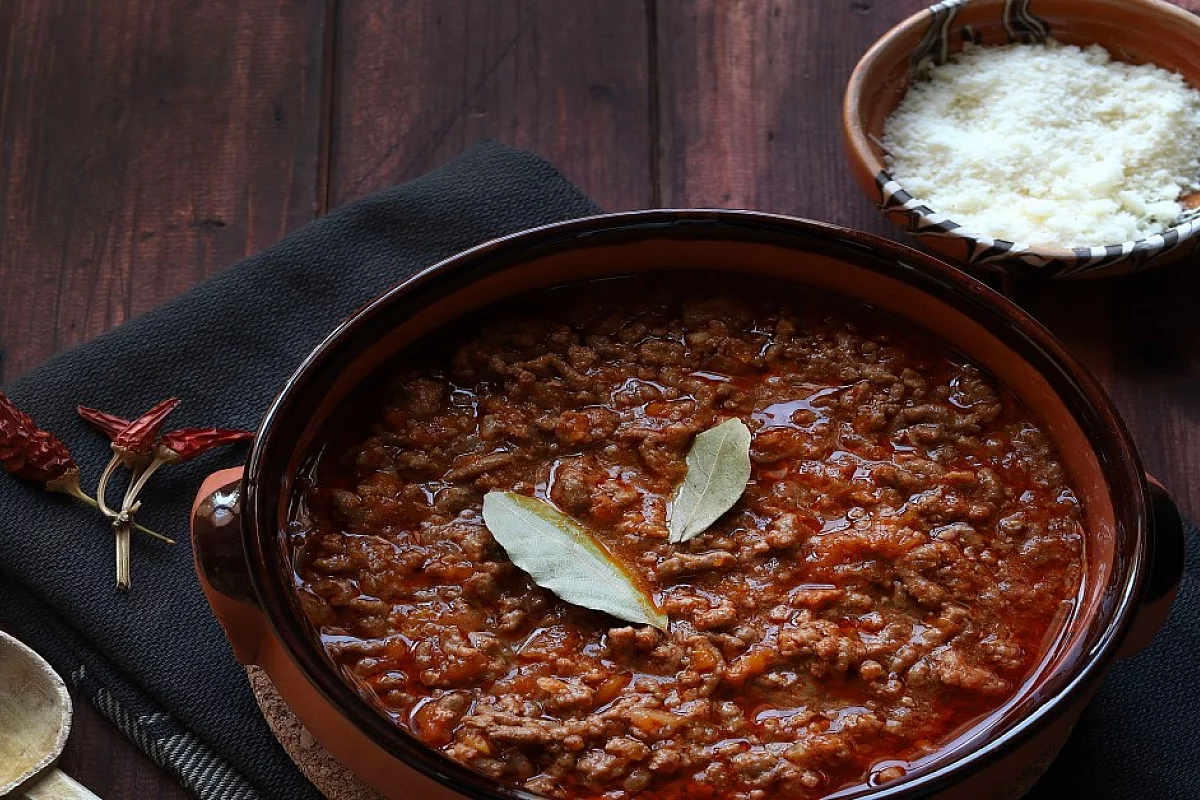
(718, 469)
(563, 557)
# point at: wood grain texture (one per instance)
(146, 144)
(59, 786)
(102, 759)
(417, 82)
(1140, 337)
(750, 97)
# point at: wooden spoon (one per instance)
(35, 718)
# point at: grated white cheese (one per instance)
(1048, 145)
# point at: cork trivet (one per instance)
(323, 770)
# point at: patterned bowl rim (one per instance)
(1023, 26)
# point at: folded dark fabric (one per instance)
(1140, 736)
(155, 662)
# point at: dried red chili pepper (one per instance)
(184, 444)
(173, 447)
(132, 447)
(109, 424)
(29, 452)
(135, 442)
(181, 445)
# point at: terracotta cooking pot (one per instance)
(1134, 547)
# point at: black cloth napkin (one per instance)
(155, 662)
(1140, 735)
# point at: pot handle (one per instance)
(1166, 570)
(221, 564)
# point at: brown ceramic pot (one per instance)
(1134, 552)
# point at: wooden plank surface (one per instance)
(750, 97)
(145, 144)
(1140, 337)
(418, 81)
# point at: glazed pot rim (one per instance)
(260, 528)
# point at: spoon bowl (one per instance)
(35, 715)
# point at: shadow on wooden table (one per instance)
(1140, 335)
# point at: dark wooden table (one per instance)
(147, 144)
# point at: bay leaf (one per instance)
(718, 469)
(562, 556)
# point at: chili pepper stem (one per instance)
(102, 505)
(122, 523)
(139, 482)
(102, 486)
(121, 526)
(88, 500)
(123, 531)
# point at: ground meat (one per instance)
(679, 564)
(892, 572)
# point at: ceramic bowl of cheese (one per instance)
(1133, 32)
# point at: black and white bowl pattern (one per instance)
(986, 252)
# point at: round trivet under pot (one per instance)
(323, 770)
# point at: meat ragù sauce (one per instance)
(905, 553)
